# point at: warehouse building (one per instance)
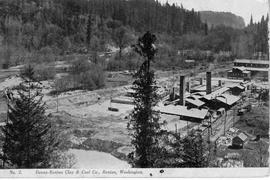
(239, 73)
(185, 113)
(237, 90)
(251, 64)
(257, 68)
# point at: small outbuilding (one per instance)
(239, 140)
(237, 90)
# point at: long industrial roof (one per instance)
(240, 86)
(242, 68)
(216, 93)
(252, 61)
(228, 99)
(257, 69)
(200, 88)
(182, 111)
(195, 101)
(228, 80)
(198, 95)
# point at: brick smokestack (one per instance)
(219, 83)
(201, 81)
(182, 91)
(188, 86)
(173, 95)
(208, 83)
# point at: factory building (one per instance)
(203, 98)
(192, 114)
(197, 106)
(237, 90)
(250, 64)
(226, 101)
(193, 102)
(215, 101)
(257, 68)
(239, 73)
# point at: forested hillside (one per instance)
(222, 18)
(44, 30)
(53, 20)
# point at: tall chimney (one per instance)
(188, 86)
(208, 83)
(182, 91)
(201, 81)
(219, 83)
(173, 95)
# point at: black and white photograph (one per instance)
(134, 88)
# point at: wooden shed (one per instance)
(239, 140)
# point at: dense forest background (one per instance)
(222, 18)
(46, 30)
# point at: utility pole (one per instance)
(225, 115)
(225, 121)
(209, 142)
(57, 102)
(57, 86)
(209, 133)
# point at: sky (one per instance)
(243, 8)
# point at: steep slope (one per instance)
(222, 18)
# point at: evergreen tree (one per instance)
(171, 152)
(251, 21)
(29, 140)
(121, 38)
(194, 150)
(205, 29)
(89, 31)
(144, 125)
(189, 151)
(94, 46)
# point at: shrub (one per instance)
(79, 65)
(114, 65)
(63, 84)
(62, 160)
(43, 72)
(46, 54)
(84, 75)
(5, 57)
(129, 61)
(5, 65)
(85, 81)
(91, 79)
(97, 75)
